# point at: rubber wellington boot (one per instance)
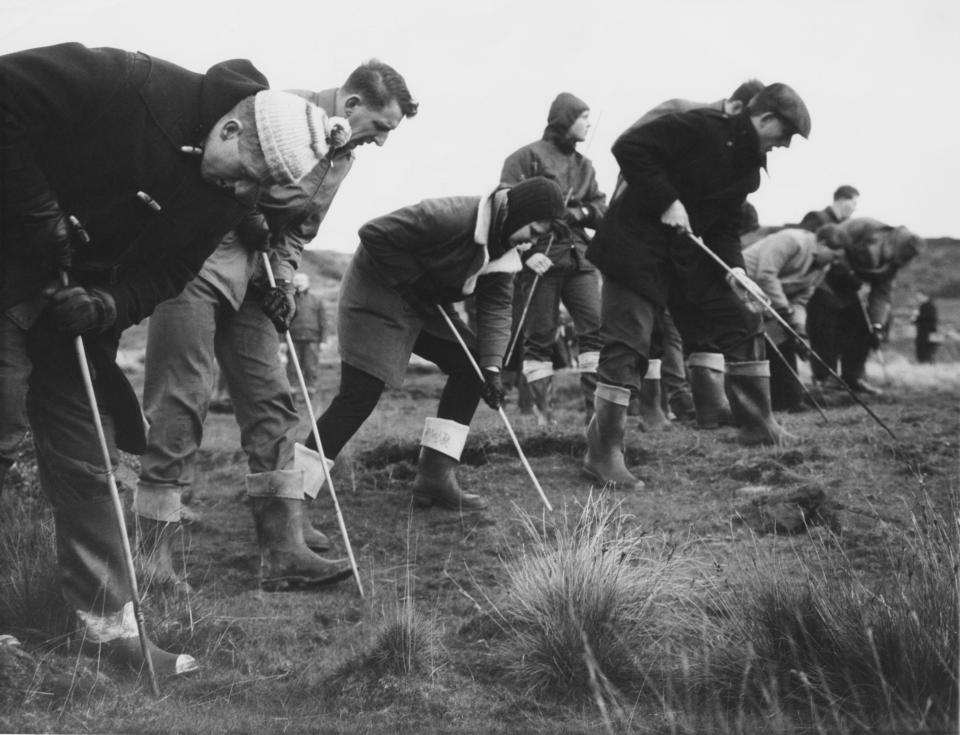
(706, 370)
(604, 459)
(276, 499)
(539, 376)
(155, 544)
(652, 417)
(748, 385)
(436, 481)
(96, 587)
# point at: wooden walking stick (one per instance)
(503, 415)
(292, 355)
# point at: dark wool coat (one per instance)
(707, 160)
(94, 127)
(577, 179)
(434, 249)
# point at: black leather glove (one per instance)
(48, 232)
(279, 304)
(492, 391)
(254, 232)
(77, 310)
(419, 295)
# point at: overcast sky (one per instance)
(880, 78)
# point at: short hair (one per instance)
(745, 92)
(845, 192)
(378, 84)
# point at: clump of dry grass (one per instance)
(583, 613)
(407, 641)
(844, 656)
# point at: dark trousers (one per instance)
(360, 392)
(627, 323)
(838, 334)
(785, 390)
(579, 291)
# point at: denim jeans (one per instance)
(184, 335)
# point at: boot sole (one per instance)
(294, 583)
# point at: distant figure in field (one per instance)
(926, 321)
(308, 330)
(789, 265)
(845, 200)
(557, 269)
(841, 328)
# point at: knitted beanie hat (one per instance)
(293, 134)
(564, 111)
(532, 199)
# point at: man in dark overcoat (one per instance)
(120, 173)
(686, 173)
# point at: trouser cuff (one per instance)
(276, 484)
(445, 436)
(157, 502)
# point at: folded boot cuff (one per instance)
(712, 360)
(445, 436)
(276, 484)
(613, 394)
(760, 368)
(653, 370)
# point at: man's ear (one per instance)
(734, 107)
(232, 128)
(351, 104)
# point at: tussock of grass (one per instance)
(407, 642)
(846, 656)
(583, 606)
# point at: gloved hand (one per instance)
(576, 214)
(254, 232)
(492, 391)
(418, 295)
(745, 288)
(792, 317)
(77, 310)
(876, 336)
(48, 233)
(279, 304)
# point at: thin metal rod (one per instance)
(292, 355)
(117, 507)
(503, 415)
(793, 333)
(796, 377)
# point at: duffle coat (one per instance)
(437, 248)
(95, 127)
(707, 160)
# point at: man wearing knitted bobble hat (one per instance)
(235, 315)
(178, 160)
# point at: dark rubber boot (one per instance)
(96, 587)
(748, 385)
(706, 374)
(652, 417)
(436, 481)
(314, 538)
(276, 499)
(604, 460)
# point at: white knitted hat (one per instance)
(293, 134)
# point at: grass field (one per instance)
(671, 610)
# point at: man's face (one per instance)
(369, 125)
(529, 233)
(844, 208)
(773, 131)
(227, 165)
(823, 255)
(580, 127)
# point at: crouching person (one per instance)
(120, 172)
(411, 263)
